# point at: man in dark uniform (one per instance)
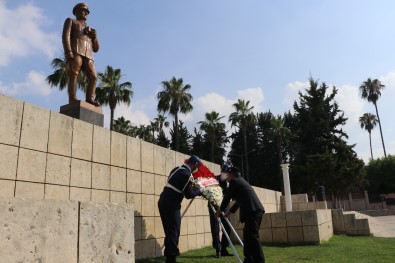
(178, 185)
(251, 212)
(220, 245)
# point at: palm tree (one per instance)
(161, 121)
(122, 125)
(59, 76)
(174, 98)
(111, 92)
(211, 125)
(241, 118)
(371, 90)
(368, 121)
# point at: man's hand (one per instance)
(217, 213)
(69, 55)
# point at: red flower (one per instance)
(203, 172)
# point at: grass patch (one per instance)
(337, 249)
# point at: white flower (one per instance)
(212, 192)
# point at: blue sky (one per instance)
(259, 50)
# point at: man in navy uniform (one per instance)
(220, 245)
(251, 212)
(179, 184)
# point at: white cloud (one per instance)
(254, 95)
(21, 33)
(291, 92)
(34, 84)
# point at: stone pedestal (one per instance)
(84, 111)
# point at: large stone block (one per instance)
(102, 145)
(133, 181)
(294, 218)
(80, 194)
(57, 192)
(265, 235)
(160, 160)
(148, 183)
(199, 240)
(192, 241)
(183, 243)
(295, 234)
(138, 229)
(325, 231)
(338, 221)
(38, 231)
(118, 149)
(31, 166)
(311, 234)
(147, 157)
(10, 113)
(149, 227)
(135, 200)
(133, 152)
(101, 176)
(8, 161)
(118, 197)
(100, 196)
(191, 225)
(58, 169)
(148, 205)
(149, 247)
(170, 161)
(106, 233)
(160, 182)
(118, 179)
(7, 188)
(278, 219)
(160, 244)
(82, 140)
(280, 235)
(60, 134)
(159, 232)
(81, 174)
(309, 218)
(84, 111)
(35, 126)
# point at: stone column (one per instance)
(287, 187)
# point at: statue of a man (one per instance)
(79, 43)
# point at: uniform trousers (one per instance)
(171, 221)
(253, 252)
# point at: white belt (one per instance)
(173, 187)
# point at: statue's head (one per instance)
(80, 6)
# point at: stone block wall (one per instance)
(47, 155)
(65, 231)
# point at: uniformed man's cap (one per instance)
(195, 161)
(80, 6)
(225, 167)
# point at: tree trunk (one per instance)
(111, 119)
(370, 142)
(381, 132)
(176, 132)
(247, 175)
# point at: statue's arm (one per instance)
(66, 38)
(95, 41)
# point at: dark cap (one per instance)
(80, 6)
(225, 167)
(194, 160)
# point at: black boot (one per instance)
(225, 253)
(218, 254)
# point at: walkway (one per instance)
(384, 226)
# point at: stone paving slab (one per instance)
(387, 226)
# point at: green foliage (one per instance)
(175, 98)
(111, 92)
(320, 154)
(380, 174)
(184, 138)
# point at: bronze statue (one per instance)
(79, 43)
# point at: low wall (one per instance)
(65, 231)
(47, 155)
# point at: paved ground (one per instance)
(386, 226)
